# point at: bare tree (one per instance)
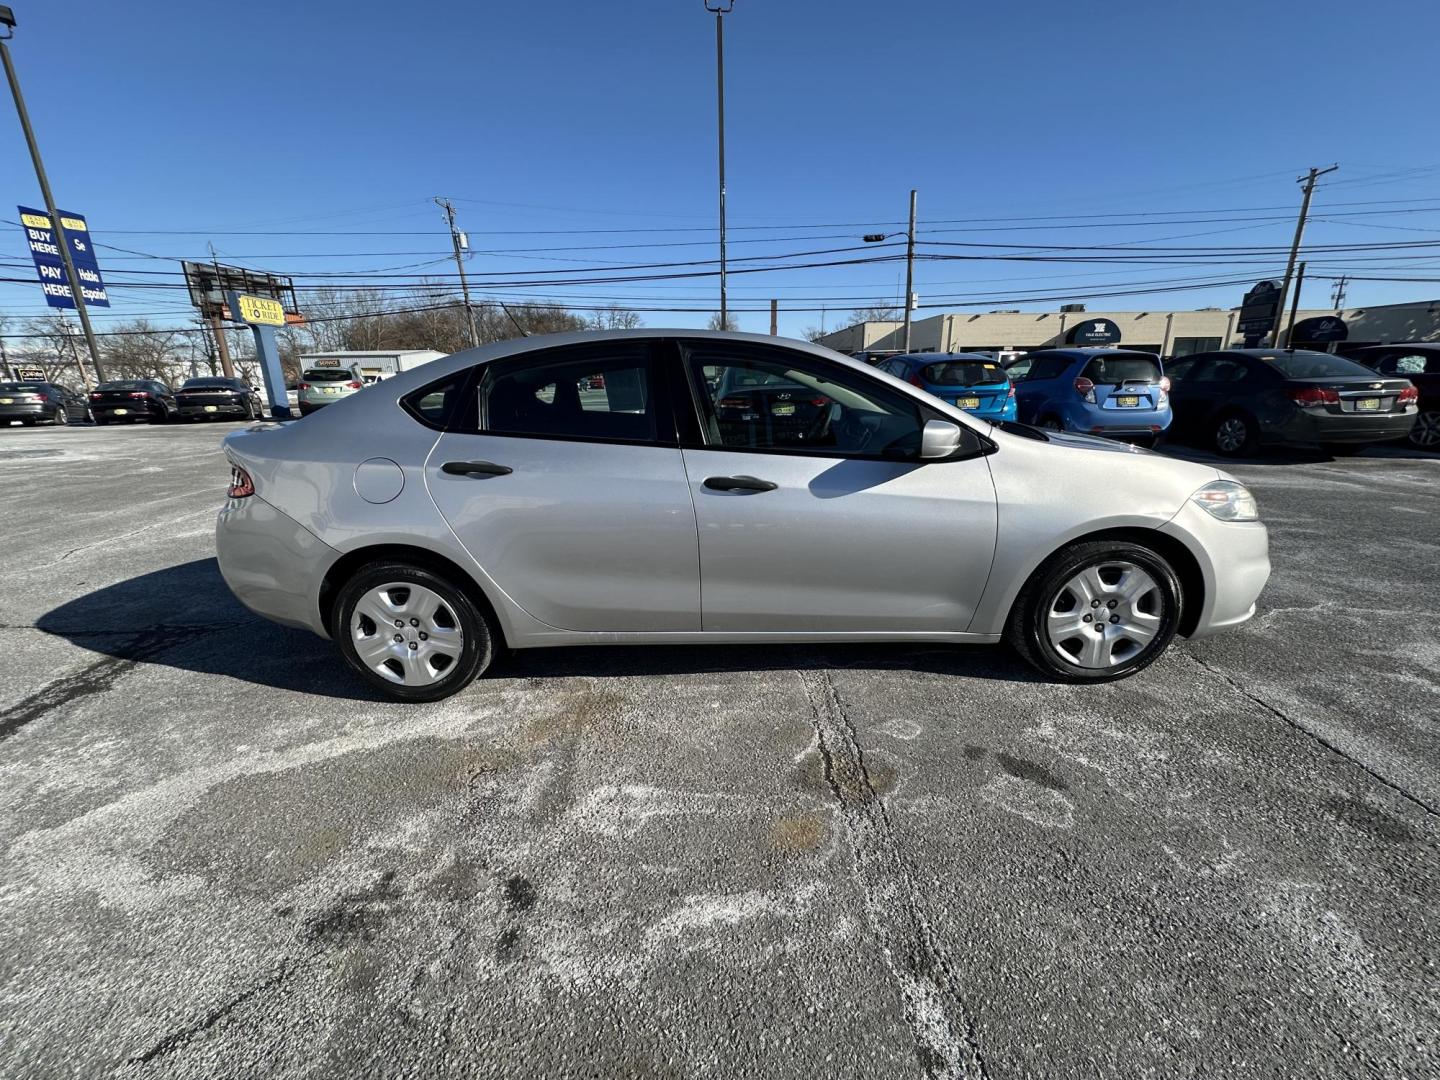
(137, 349)
(615, 317)
(728, 323)
(815, 334)
(876, 314)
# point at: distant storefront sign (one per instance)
(1320, 329)
(30, 374)
(1257, 310)
(1093, 332)
(44, 244)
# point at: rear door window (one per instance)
(589, 392)
(1048, 367)
(1410, 364)
(1117, 368)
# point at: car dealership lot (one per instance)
(222, 857)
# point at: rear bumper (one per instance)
(32, 411)
(106, 410)
(1305, 427)
(272, 563)
(1234, 560)
(212, 408)
(1093, 421)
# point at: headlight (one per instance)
(1228, 501)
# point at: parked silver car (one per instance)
(681, 486)
(322, 386)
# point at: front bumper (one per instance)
(1234, 558)
(1324, 427)
(272, 563)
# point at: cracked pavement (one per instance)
(219, 857)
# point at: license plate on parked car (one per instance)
(7, 401)
(782, 410)
(210, 408)
(1128, 401)
(968, 402)
(1367, 404)
(122, 412)
(331, 390)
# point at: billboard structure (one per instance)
(211, 284)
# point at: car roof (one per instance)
(1089, 351)
(932, 357)
(1423, 346)
(1263, 354)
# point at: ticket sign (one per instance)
(44, 244)
(259, 309)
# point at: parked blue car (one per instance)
(1111, 392)
(974, 382)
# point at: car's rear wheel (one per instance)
(1426, 433)
(60, 417)
(1096, 611)
(1235, 435)
(410, 633)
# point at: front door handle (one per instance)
(475, 468)
(738, 483)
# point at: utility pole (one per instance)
(774, 318)
(217, 328)
(1294, 307)
(1309, 182)
(456, 238)
(75, 356)
(7, 24)
(721, 8)
(5, 361)
(1338, 296)
(909, 270)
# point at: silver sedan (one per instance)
(680, 486)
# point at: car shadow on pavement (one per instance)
(185, 617)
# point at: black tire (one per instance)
(1045, 591)
(61, 417)
(1233, 434)
(481, 637)
(1425, 435)
(1344, 449)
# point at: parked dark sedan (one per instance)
(1238, 400)
(133, 399)
(36, 402)
(1420, 363)
(211, 398)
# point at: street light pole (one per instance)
(721, 8)
(7, 24)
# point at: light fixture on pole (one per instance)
(721, 8)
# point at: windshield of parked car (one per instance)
(327, 375)
(1315, 365)
(208, 384)
(962, 373)
(1117, 368)
(125, 384)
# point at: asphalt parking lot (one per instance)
(222, 858)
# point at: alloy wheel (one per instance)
(1105, 615)
(1230, 435)
(406, 633)
(1426, 432)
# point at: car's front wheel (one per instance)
(1235, 435)
(410, 633)
(1096, 611)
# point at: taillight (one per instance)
(139, 393)
(1085, 388)
(1164, 384)
(1408, 396)
(303, 386)
(353, 385)
(733, 403)
(94, 396)
(1312, 397)
(1011, 393)
(819, 401)
(241, 486)
(915, 381)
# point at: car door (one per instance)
(564, 480)
(806, 480)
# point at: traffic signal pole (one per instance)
(76, 289)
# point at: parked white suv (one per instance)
(321, 386)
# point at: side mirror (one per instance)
(940, 439)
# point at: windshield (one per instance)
(963, 373)
(1118, 368)
(1315, 365)
(327, 375)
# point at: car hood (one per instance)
(1093, 442)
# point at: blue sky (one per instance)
(550, 122)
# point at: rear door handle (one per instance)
(738, 483)
(475, 468)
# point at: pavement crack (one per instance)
(1235, 685)
(94, 678)
(175, 1040)
(944, 1035)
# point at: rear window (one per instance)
(1122, 368)
(327, 375)
(22, 388)
(125, 384)
(208, 384)
(1314, 365)
(962, 373)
